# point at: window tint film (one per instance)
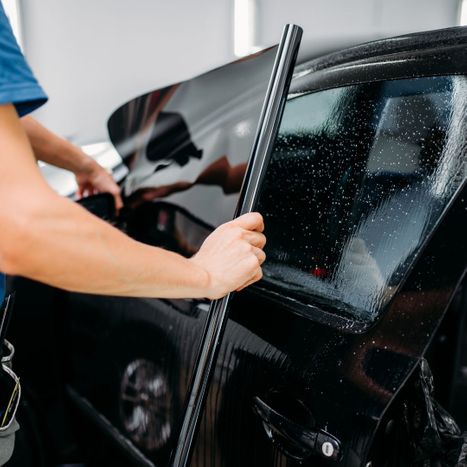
(358, 178)
(187, 146)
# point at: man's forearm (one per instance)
(51, 239)
(65, 246)
(51, 148)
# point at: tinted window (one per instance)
(357, 180)
(188, 145)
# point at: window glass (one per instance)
(357, 180)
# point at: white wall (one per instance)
(92, 55)
(329, 22)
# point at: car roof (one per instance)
(430, 53)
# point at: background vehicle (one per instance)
(365, 207)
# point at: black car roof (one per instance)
(431, 53)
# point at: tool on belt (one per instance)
(10, 388)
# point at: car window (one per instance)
(358, 178)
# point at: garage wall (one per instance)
(328, 22)
(346, 18)
(92, 55)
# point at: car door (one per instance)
(187, 148)
(364, 206)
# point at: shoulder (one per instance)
(18, 84)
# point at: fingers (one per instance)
(83, 190)
(118, 201)
(115, 192)
(112, 188)
(250, 221)
(100, 183)
(258, 276)
(255, 238)
(253, 226)
(260, 254)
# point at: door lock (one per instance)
(293, 439)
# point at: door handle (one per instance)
(293, 439)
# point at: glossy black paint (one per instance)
(432, 53)
(315, 370)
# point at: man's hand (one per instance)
(93, 178)
(51, 148)
(232, 255)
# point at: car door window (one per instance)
(358, 178)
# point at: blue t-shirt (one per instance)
(18, 86)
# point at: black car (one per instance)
(365, 209)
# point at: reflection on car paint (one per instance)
(145, 404)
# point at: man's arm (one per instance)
(51, 239)
(51, 148)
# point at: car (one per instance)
(352, 350)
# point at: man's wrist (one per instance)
(203, 279)
(86, 165)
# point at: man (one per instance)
(51, 239)
(91, 178)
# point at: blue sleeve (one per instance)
(18, 85)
